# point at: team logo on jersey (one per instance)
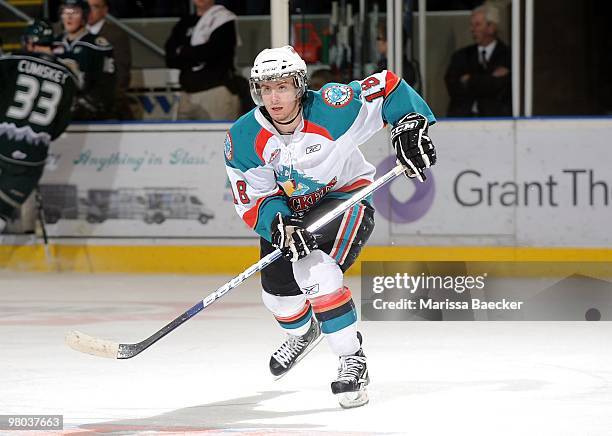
(229, 147)
(19, 155)
(102, 41)
(292, 186)
(337, 95)
(304, 202)
(274, 155)
(313, 148)
(303, 191)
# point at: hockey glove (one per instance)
(412, 145)
(289, 235)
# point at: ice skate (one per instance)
(294, 349)
(353, 377)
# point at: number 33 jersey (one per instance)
(35, 99)
(271, 173)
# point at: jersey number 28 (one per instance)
(36, 103)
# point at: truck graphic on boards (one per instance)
(59, 202)
(152, 205)
(174, 203)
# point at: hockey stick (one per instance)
(113, 350)
(41, 220)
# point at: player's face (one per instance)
(72, 19)
(280, 99)
(482, 32)
(98, 11)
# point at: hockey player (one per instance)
(35, 98)
(293, 158)
(93, 56)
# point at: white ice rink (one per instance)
(210, 376)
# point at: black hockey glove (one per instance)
(289, 234)
(412, 145)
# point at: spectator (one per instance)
(478, 77)
(203, 46)
(382, 47)
(97, 24)
(409, 68)
(93, 56)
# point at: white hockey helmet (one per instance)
(276, 64)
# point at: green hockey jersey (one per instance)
(93, 56)
(36, 96)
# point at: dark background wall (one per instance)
(573, 57)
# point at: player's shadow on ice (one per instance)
(236, 413)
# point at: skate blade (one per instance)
(308, 350)
(348, 400)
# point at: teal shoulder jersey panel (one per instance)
(403, 100)
(240, 145)
(334, 107)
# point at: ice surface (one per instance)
(210, 375)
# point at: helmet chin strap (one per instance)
(299, 107)
(288, 122)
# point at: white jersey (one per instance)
(271, 173)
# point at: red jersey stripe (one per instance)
(260, 142)
(310, 127)
(301, 313)
(346, 222)
(335, 299)
(250, 216)
(355, 185)
(347, 247)
(391, 82)
(335, 305)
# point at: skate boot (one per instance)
(294, 349)
(353, 377)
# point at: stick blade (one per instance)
(88, 344)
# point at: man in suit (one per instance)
(478, 77)
(99, 25)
